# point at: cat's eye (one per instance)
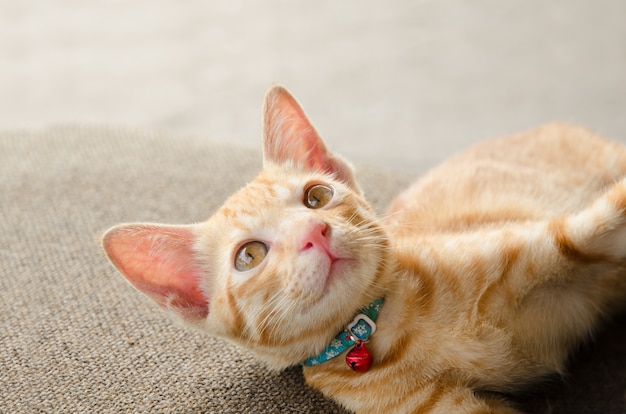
(318, 195)
(250, 255)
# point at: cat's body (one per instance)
(488, 293)
(492, 266)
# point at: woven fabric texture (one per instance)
(75, 337)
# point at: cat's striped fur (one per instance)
(493, 266)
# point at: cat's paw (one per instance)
(597, 233)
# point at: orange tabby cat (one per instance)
(482, 277)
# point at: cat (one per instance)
(480, 279)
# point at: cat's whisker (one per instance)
(386, 222)
(276, 306)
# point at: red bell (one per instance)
(359, 359)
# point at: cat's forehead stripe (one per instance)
(282, 192)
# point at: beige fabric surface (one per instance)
(75, 337)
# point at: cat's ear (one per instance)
(289, 137)
(160, 261)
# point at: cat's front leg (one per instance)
(463, 400)
(488, 404)
(375, 393)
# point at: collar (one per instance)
(356, 333)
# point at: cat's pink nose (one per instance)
(317, 236)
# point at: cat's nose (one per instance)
(316, 236)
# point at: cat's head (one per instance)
(283, 265)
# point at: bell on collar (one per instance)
(359, 359)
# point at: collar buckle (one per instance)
(361, 327)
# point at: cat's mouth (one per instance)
(326, 269)
(325, 266)
(337, 268)
(332, 271)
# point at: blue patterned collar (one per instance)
(355, 334)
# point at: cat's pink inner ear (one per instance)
(160, 261)
(288, 135)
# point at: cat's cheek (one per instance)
(239, 278)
